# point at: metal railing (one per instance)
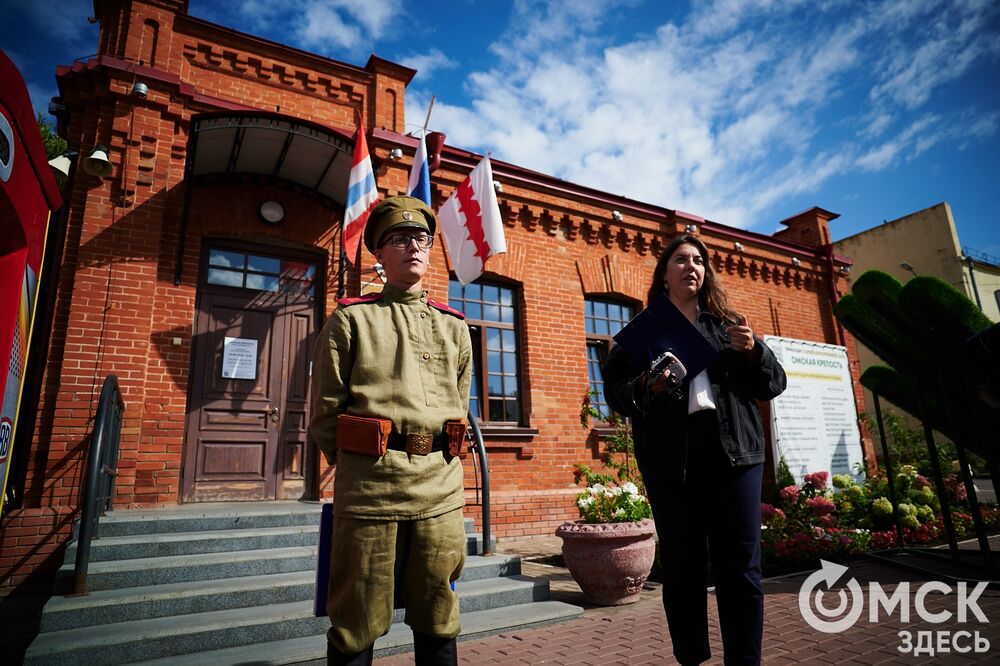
(482, 471)
(102, 469)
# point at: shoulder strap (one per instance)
(367, 298)
(444, 308)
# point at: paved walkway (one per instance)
(636, 634)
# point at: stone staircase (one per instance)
(233, 583)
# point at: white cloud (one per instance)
(324, 29)
(323, 26)
(728, 112)
(428, 63)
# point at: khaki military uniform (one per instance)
(404, 358)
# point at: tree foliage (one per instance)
(55, 145)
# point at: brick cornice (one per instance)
(221, 35)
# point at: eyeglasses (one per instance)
(402, 241)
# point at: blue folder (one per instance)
(662, 327)
(323, 559)
(323, 563)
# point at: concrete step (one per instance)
(312, 649)
(122, 605)
(214, 516)
(119, 574)
(137, 640)
(144, 546)
(141, 572)
(141, 546)
(112, 606)
(211, 518)
(132, 640)
(208, 518)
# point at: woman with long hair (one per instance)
(699, 444)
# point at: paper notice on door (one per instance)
(239, 358)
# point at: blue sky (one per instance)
(742, 111)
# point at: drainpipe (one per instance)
(972, 278)
(834, 296)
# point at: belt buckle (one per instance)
(419, 443)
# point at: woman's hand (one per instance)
(663, 382)
(741, 335)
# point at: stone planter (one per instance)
(609, 561)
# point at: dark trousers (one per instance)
(713, 515)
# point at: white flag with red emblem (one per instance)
(471, 224)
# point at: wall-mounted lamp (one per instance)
(739, 246)
(691, 228)
(796, 262)
(56, 109)
(907, 266)
(61, 166)
(617, 216)
(98, 163)
(396, 154)
(845, 269)
(140, 89)
(498, 187)
(271, 212)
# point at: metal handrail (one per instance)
(102, 468)
(475, 436)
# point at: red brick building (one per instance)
(170, 255)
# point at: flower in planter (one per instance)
(820, 506)
(816, 480)
(601, 503)
(769, 512)
(882, 507)
(827, 520)
(789, 494)
(842, 481)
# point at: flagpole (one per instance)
(342, 269)
(430, 107)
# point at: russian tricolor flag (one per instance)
(362, 196)
(420, 175)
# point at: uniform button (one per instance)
(426, 356)
(423, 315)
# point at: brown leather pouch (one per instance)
(363, 434)
(455, 429)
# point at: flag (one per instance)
(471, 224)
(420, 175)
(361, 196)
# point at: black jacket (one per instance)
(659, 421)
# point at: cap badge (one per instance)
(408, 216)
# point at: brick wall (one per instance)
(119, 311)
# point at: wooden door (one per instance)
(248, 405)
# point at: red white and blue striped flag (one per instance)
(471, 224)
(362, 196)
(420, 176)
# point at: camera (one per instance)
(667, 361)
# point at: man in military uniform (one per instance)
(398, 356)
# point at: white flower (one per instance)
(595, 489)
(630, 488)
(619, 513)
(584, 502)
(610, 494)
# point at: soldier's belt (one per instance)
(373, 436)
(418, 443)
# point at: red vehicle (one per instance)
(28, 195)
